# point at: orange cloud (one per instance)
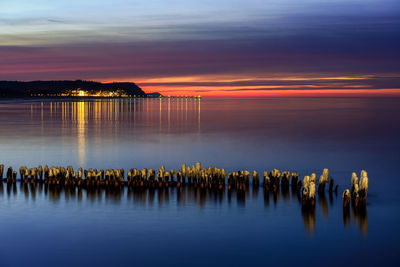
(276, 86)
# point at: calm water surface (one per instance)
(39, 226)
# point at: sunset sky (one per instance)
(208, 47)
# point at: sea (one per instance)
(190, 226)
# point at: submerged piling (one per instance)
(358, 191)
(205, 179)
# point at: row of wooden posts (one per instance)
(211, 178)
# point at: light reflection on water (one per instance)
(190, 196)
(298, 135)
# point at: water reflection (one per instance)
(116, 112)
(190, 195)
(323, 203)
(80, 117)
(360, 216)
(89, 126)
(308, 214)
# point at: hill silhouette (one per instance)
(60, 88)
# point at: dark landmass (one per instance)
(76, 88)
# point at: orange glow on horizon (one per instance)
(289, 93)
(309, 86)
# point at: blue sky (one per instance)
(47, 39)
(24, 22)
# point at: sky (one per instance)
(208, 48)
